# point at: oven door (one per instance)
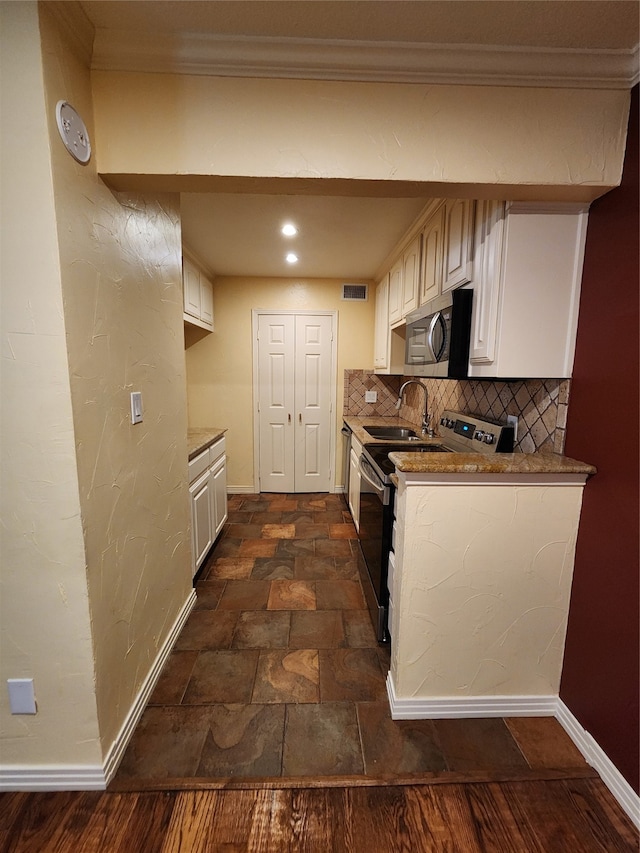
(376, 524)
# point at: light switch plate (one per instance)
(136, 407)
(371, 396)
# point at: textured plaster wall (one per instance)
(45, 632)
(544, 143)
(220, 365)
(120, 263)
(473, 620)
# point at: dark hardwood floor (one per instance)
(269, 730)
(563, 816)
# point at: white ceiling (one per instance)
(347, 238)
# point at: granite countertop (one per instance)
(466, 463)
(199, 438)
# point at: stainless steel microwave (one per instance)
(438, 335)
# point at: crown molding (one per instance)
(360, 61)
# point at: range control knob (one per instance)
(488, 438)
(478, 435)
(443, 421)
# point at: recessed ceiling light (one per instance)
(292, 258)
(289, 229)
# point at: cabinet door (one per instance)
(201, 519)
(432, 249)
(218, 486)
(191, 289)
(459, 239)
(411, 276)
(354, 488)
(381, 330)
(206, 301)
(395, 292)
(486, 295)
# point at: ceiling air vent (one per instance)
(354, 292)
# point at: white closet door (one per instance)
(313, 403)
(276, 342)
(295, 386)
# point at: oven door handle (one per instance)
(370, 475)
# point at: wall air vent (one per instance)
(354, 292)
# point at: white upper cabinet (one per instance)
(197, 294)
(388, 345)
(526, 289)
(432, 247)
(411, 275)
(191, 289)
(395, 292)
(458, 260)
(404, 282)
(381, 331)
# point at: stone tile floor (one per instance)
(277, 672)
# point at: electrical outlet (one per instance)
(512, 420)
(22, 699)
(371, 396)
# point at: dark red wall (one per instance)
(601, 664)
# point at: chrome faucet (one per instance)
(426, 417)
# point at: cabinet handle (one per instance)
(299, 417)
(289, 417)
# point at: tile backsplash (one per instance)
(539, 404)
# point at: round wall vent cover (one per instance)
(73, 132)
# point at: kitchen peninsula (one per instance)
(479, 579)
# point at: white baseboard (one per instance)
(453, 707)
(595, 756)
(241, 490)
(54, 777)
(117, 748)
(522, 706)
(63, 777)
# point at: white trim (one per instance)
(241, 490)
(63, 777)
(54, 777)
(117, 748)
(454, 707)
(364, 61)
(595, 756)
(465, 707)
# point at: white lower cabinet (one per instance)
(354, 482)
(208, 490)
(200, 519)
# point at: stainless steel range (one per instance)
(459, 433)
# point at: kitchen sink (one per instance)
(392, 433)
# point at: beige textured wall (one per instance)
(45, 631)
(220, 365)
(120, 261)
(544, 143)
(470, 620)
(95, 543)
